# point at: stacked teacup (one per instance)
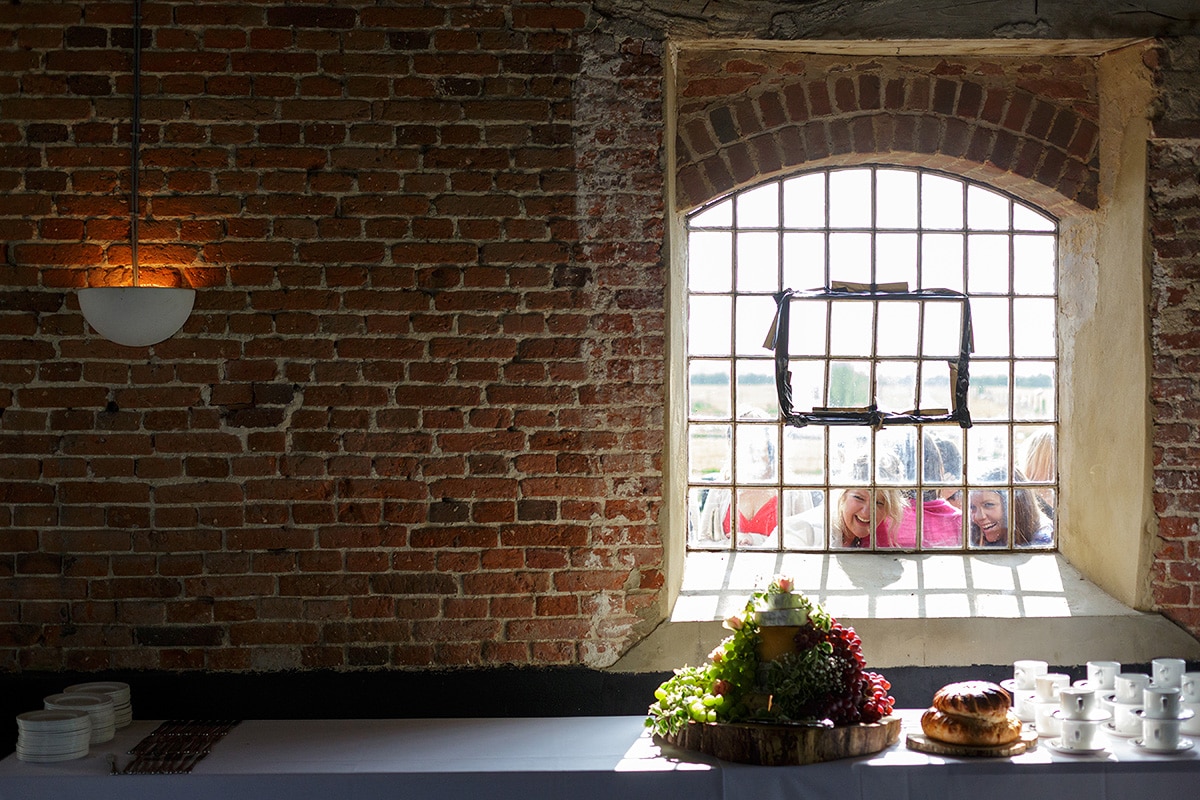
(1162, 710)
(1125, 701)
(1167, 672)
(1047, 702)
(1189, 688)
(1023, 687)
(1102, 676)
(1079, 715)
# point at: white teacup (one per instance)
(1025, 672)
(1102, 674)
(1126, 720)
(1189, 687)
(1167, 671)
(1025, 705)
(1161, 702)
(1129, 686)
(1078, 734)
(1079, 702)
(1050, 684)
(1190, 719)
(1046, 719)
(1160, 734)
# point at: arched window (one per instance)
(755, 483)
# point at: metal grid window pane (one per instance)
(755, 483)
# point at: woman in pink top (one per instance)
(941, 520)
(941, 525)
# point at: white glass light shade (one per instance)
(136, 316)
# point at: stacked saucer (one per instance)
(1189, 686)
(99, 708)
(53, 735)
(1162, 716)
(119, 692)
(1124, 702)
(1079, 718)
(1047, 700)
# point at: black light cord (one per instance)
(135, 137)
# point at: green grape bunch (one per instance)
(687, 696)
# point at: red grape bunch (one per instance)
(877, 703)
(808, 636)
(847, 693)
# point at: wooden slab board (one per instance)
(922, 743)
(782, 745)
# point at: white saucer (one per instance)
(1056, 746)
(1184, 715)
(80, 700)
(1190, 727)
(1184, 744)
(33, 758)
(1099, 715)
(1010, 686)
(1111, 731)
(103, 687)
(119, 692)
(53, 719)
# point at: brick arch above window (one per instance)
(1039, 148)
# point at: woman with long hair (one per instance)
(852, 520)
(993, 522)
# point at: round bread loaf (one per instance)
(971, 731)
(974, 699)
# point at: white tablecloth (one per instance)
(581, 758)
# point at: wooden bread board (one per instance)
(782, 745)
(922, 743)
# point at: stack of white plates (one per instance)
(53, 735)
(98, 706)
(119, 692)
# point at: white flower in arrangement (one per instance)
(779, 604)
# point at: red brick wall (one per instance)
(1174, 204)
(1026, 126)
(416, 416)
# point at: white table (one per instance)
(580, 758)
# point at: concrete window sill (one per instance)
(922, 609)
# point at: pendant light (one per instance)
(136, 316)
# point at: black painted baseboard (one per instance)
(552, 692)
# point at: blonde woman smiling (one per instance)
(852, 522)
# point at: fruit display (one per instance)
(785, 662)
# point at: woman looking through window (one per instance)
(852, 522)
(991, 524)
